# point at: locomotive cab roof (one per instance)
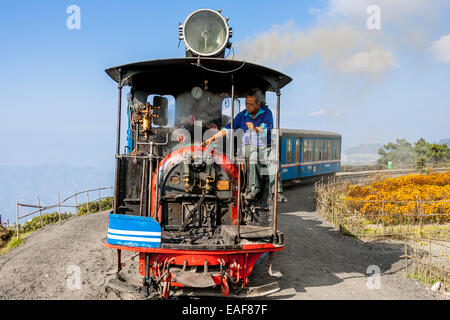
(174, 76)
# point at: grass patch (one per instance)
(14, 242)
(430, 276)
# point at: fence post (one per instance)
(112, 197)
(17, 220)
(40, 212)
(429, 248)
(406, 258)
(59, 208)
(421, 220)
(87, 200)
(382, 217)
(76, 203)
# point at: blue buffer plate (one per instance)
(134, 231)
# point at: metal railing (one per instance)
(430, 260)
(339, 212)
(59, 204)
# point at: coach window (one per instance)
(288, 150)
(336, 150)
(327, 150)
(318, 150)
(297, 150)
(307, 150)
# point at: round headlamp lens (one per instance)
(206, 33)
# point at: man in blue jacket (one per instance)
(257, 123)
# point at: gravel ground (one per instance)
(317, 263)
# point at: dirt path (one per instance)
(317, 263)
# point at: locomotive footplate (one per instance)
(261, 234)
(194, 279)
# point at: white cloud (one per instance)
(369, 62)
(440, 49)
(286, 45)
(317, 113)
(342, 41)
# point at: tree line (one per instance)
(421, 154)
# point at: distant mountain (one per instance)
(25, 183)
(362, 154)
(364, 149)
(447, 141)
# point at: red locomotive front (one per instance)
(183, 206)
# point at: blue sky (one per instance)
(58, 106)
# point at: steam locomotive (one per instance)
(181, 205)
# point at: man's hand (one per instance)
(222, 133)
(208, 142)
(250, 126)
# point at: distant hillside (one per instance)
(447, 141)
(361, 155)
(26, 183)
(364, 149)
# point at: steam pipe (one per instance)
(277, 161)
(232, 124)
(157, 190)
(232, 159)
(239, 204)
(150, 181)
(119, 113)
(143, 185)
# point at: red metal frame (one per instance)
(237, 264)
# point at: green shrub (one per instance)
(101, 205)
(47, 218)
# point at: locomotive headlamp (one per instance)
(205, 33)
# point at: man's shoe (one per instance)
(281, 198)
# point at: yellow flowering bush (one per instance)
(403, 197)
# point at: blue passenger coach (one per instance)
(307, 153)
